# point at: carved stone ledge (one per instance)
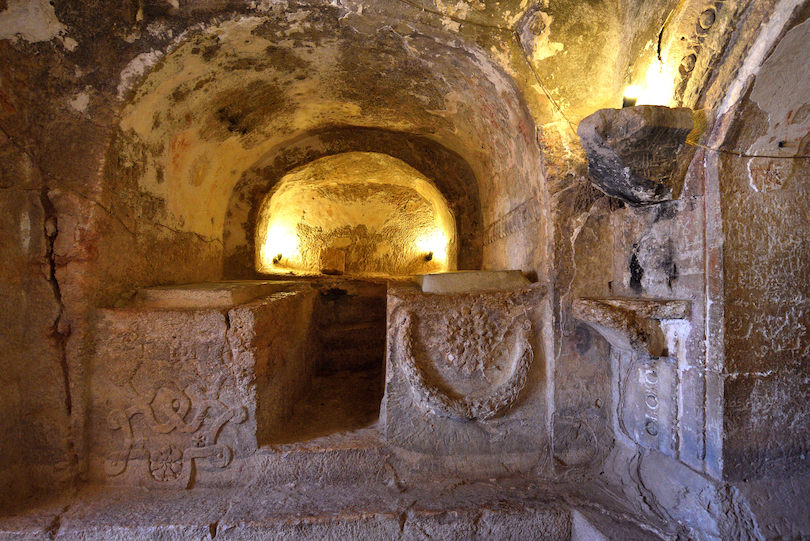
(206, 295)
(632, 324)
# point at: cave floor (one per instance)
(441, 510)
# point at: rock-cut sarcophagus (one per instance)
(465, 377)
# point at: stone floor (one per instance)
(338, 487)
(446, 510)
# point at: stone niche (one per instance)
(188, 382)
(356, 213)
(465, 378)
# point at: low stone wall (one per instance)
(177, 395)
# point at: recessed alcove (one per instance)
(428, 162)
(371, 218)
(359, 214)
(345, 391)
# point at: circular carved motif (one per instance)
(166, 464)
(706, 19)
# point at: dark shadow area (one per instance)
(346, 392)
(340, 401)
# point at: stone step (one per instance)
(353, 346)
(284, 513)
(353, 310)
(353, 358)
(345, 458)
(353, 303)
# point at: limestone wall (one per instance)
(767, 264)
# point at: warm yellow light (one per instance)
(658, 86)
(632, 92)
(280, 240)
(436, 244)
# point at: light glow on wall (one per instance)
(280, 240)
(356, 213)
(436, 245)
(657, 88)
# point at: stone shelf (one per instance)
(467, 281)
(632, 324)
(208, 294)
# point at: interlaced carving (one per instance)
(164, 411)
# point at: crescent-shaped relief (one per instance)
(469, 363)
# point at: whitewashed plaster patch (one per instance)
(32, 21)
(135, 69)
(80, 102)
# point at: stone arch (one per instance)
(445, 169)
(233, 106)
(356, 213)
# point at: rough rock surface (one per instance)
(464, 376)
(638, 154)
(138, 139)
(173, 389)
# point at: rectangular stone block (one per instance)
(466, 281)
(208, 295)
(274, 341)
(649, 408)
(176, 392)
(465, 375)
(332, 261)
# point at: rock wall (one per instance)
(138, 137)
(767, 264)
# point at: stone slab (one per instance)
(184, 397)
(632, 324)
(649, 407)
(465, 377)
(646, 308)
(207, 294)
(467, 281)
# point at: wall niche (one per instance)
(356, 213)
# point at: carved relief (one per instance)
(648, 407)
(191, 411)
(468, 364)
(695, 36)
